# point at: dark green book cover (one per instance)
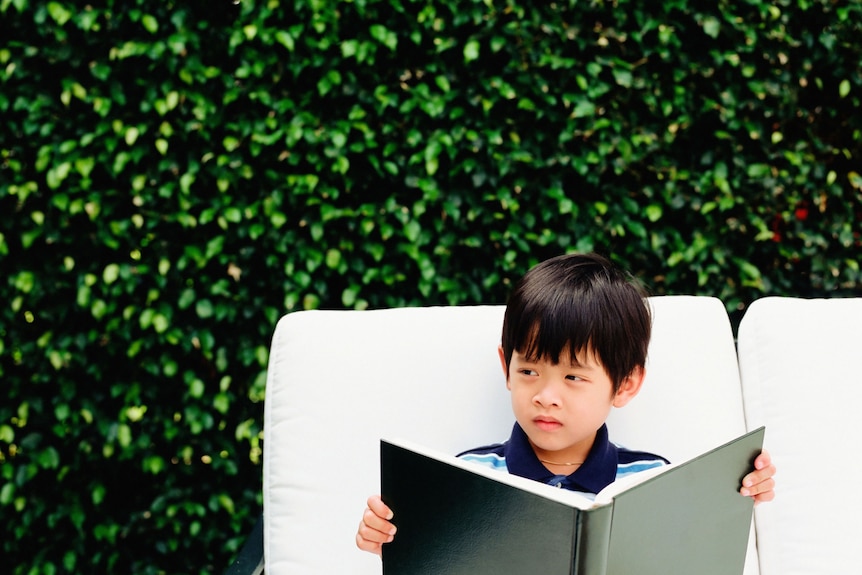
(458, 518)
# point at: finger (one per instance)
(369, 539)
(758, 489)
(763, 460)
(377, 523)
(375, 504)
(369, 546)
(758, 476)
(375, 529)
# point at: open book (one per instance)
(458, 518)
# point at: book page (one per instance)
(606, 495)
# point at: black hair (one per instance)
(579, 303)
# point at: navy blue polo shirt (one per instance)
(605, 463)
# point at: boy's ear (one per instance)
(503, 363)
(630, 387)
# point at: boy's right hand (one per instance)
(375, 528)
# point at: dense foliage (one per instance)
(174, 176)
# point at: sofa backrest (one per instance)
(799, 362)
(340, 380)
(691, 399)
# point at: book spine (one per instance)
(592, 539)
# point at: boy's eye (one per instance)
(573, 377)
(527, 371)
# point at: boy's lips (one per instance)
(546, 423)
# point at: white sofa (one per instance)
(800, 368)
(339, 380)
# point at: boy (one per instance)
(575, 337)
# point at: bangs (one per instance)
(551, 339)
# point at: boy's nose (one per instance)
(547, 395)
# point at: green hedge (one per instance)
(174, 176)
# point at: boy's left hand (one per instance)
(759, 484)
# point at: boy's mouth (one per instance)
(546, 423)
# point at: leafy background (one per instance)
(175, 176)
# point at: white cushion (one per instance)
(339, 380)
(799, 363)
(691, 399)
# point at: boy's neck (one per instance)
(564, 461)
(565, 468)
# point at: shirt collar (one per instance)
(597, 472)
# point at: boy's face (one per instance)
(561, 406)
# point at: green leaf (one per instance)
(150, 23)
(7, 434)
(25, 281)
(348, 48)
(623, 77)
(471, 51)
(124, 435)
(711, 26)
(384, 36)
(221, 403)
(654, 212)
(204, 308)
(196, 388)
(154, 464)
(131, 135)
(333, 258)
(756, 171)
(412, 230)
(284, 38)
(110, 273)
(98, 494)
(7, 494)
(226, 503)
(58, 13)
